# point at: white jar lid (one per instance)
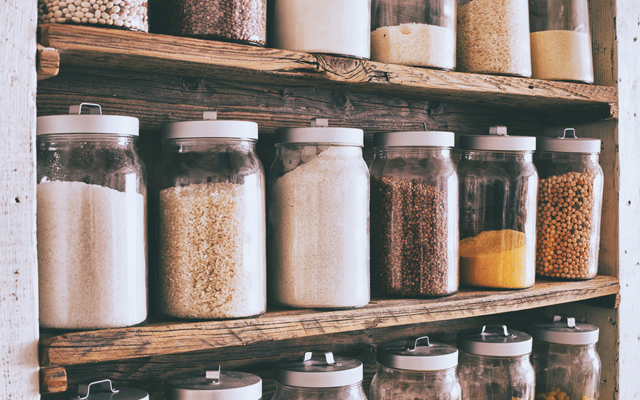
(215, 385)
(497, 140)
(414, 138)
(209, 127)
(325, 371)
(320, 132)
(102, 389)
(410, 355)
(568, 142)
(94, 122)
(495, 340)
(565, 330)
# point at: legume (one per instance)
(130, 14)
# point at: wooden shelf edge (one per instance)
(47, 62)
(172, 338)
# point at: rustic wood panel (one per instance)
(47, 62)
(602, 18)
(53, 380)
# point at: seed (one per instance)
(131, 13)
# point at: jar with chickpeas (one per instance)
(569, 206)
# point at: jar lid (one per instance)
(209, 127)
(215, 385)
(409, 354)
(565, 330)
(568, 142)
(102, 389)
(94, 122)
(320, 132)
(495, 340)
(414, 138)
(497, 140)
(322, 371)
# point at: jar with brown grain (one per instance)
(569, 206)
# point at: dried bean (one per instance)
(131, 14)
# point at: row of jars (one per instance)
(425, 229)
(546, 39)
(494, 363)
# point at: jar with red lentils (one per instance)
(569, 206)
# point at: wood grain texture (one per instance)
(47, 62)
(53, 380)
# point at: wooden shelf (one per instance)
(181, 337)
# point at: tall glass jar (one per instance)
(498, 188)
(122, 14)
(560, 40)
(410, 371)
(212, 235)
(319, 378)
(569, 206)
(91, 221)
(493, 37)
(319, 218)
(420, 33)
(414, 214)
(494, 364)
(214, 384)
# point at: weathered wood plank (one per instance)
(53, 380)
(47, 62)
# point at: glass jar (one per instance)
(420, 33)
(409, 371)
(91, 221)
(493, 37)
(414, 214)
(319, 378)
(560, 40)
(319, 218)
(494, 364)
(323, 26)
(212, 234)
(126, 14)
(101, 389)
(215, 385)
(498, 187)
(565, 359)
(569, 206)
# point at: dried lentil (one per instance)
(130, 14)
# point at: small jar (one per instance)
(414, 214)
(560, 40)
(569, 206)
(498, 188)
(91, 221)
(420, 33)
(410, 371)
(319, 378)
(319, 218)
(125, 14)
(493, 37)
(212, 234)
(323, 26)
(101, 389)
(494, 364)
(215, 385)
(565, 359)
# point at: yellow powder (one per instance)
(562, 56)
(495, 259)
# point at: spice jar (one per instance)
(569, 206)
(323, 26)
(215, 385)
(319, 378)
(560, 40)
(493, 37)
(103, 389)
(126, 14)
(565, 359)
(319, 218)
(414, 214)
(498, 187)
(494, 364)
(410, 371)
(420, 33)
(212, 239)
(91, 221)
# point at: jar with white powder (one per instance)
(211, 228)
(91, 221)
(318, 218)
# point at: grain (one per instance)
(129, 14)
(562, 56)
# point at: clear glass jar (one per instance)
(569, 206)
(125, 14)
(560, 40)
(91, 221)
(493, 37)
(420, 33)
(214, 384)
(318, 218)
(409, 371)
(100, 389)
(565, 359)
(494, 364)
(212, 234)
(498, 191)
(414, 214)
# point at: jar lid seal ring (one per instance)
(417, 354)
(565, 330)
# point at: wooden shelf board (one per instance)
(137, 51)
(181, 337)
